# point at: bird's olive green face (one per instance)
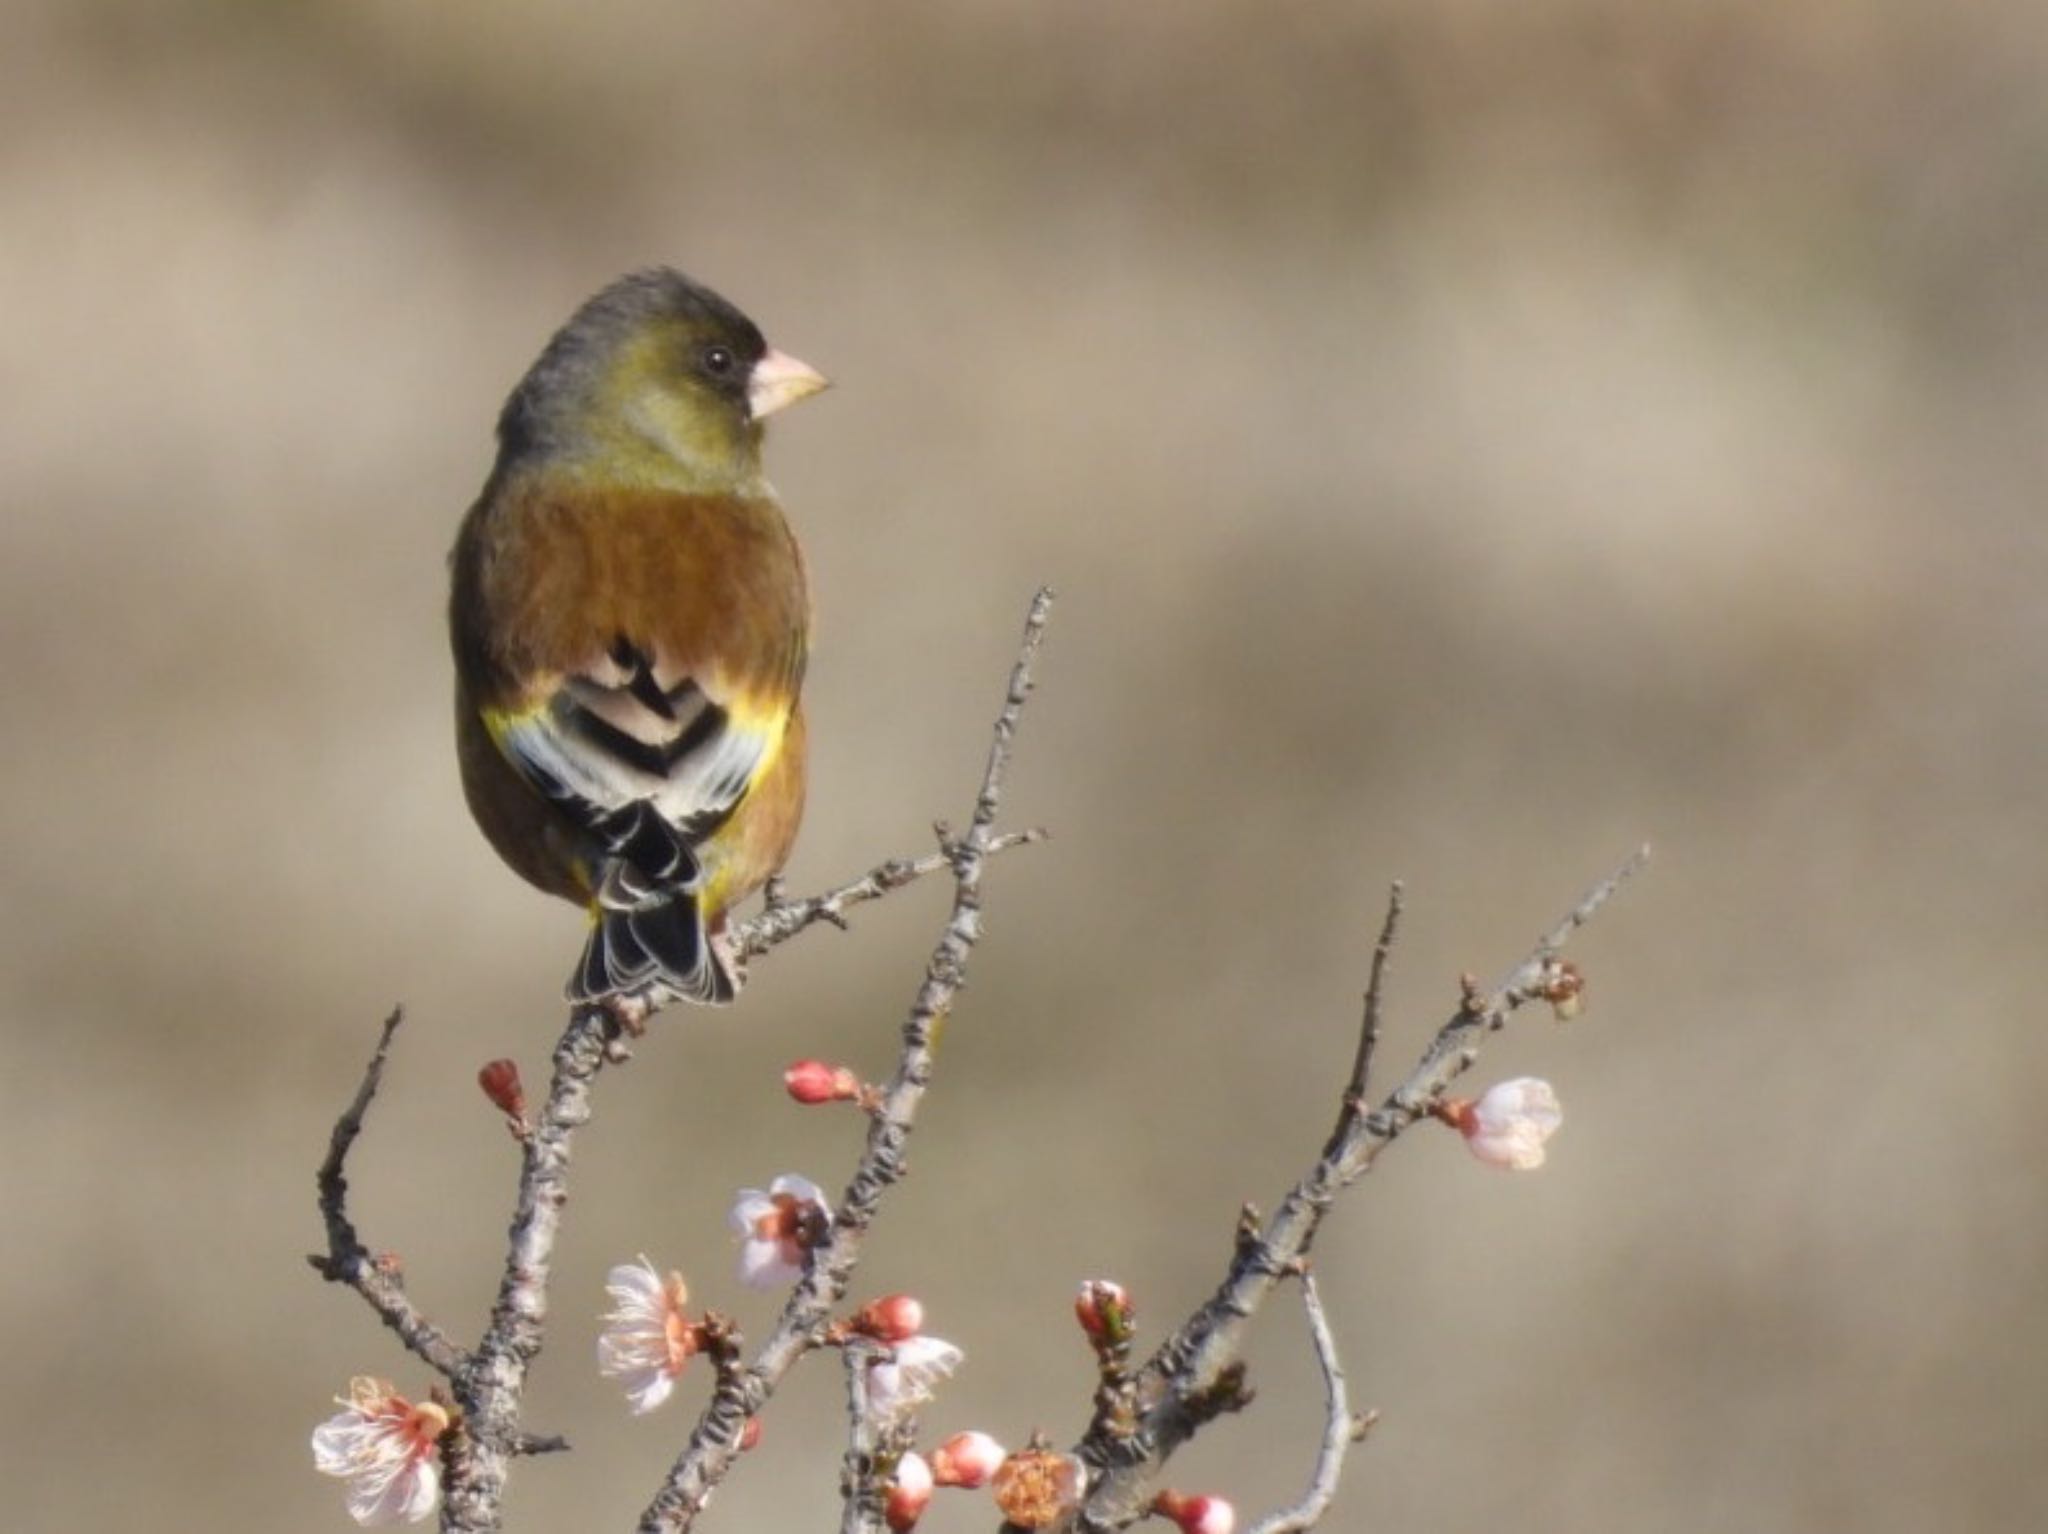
(655, 381)
(682, 385)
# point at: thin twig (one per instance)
(1369, 1026)
(704, 1462)
(491, 1388)
(784, 919)
(1340, 1428)
(1184, 1376)
(860, 1489)
(347, 1260)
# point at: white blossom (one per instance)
(647, 1336)
(1508, 1125)
(905, 1379)
(778, 1228)
(387, 1449)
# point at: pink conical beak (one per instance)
(779, 379)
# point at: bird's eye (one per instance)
(718, 360)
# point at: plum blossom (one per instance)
(904, 1380)
(778, 1229)
(387, 1449)
(647, 1336)
(1509, 1123)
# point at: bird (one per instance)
(630, 614)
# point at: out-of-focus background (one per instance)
(1468, 439)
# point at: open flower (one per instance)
(905, 1379)
(387, 1449)
(1509, 1123)
(647, 1338)
(778, 1229)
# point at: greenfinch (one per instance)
(630, 619)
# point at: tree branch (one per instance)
(784, 919)
(489, 1382)
(347, 1261)
(1340, 1429)
(1197, 1371)
(1369, 1025)
(704, 1462)
(860, 1489)
(491, 1388)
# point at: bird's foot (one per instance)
(731, 962)
(628, 1016)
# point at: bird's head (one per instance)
(656, 380)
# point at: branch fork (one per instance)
(1142, 1412)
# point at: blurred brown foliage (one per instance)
(1468, 438)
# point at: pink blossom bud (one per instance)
(966, 1460)
(1196, 1515)
(813, 1081)
(909, 1491)
(750, 1434)
(1508, 1125)
(892, 1318)
(1105, 1313)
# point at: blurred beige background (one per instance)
(1468, 438)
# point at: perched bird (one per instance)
(630, 619)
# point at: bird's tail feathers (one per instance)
(648, 941)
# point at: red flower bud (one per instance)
(813, 1081)
(892, 1318)
(501, 1084)
(1196, 1515)
(1105, 1313)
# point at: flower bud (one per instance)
(501, 1084)
(909, 1491)
(892, 1318)
(1196, 1515)
(1563, 987)
(813, 1081)
(1508, 1125)
(1105, 1313)
(966, 1460)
